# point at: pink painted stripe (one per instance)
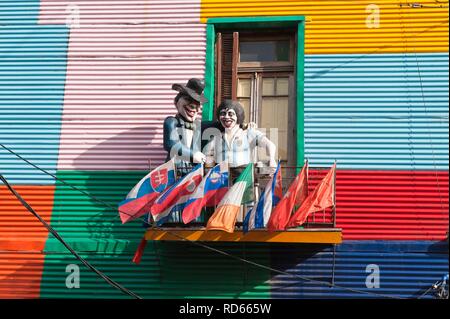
(118, 95)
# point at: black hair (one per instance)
(232, 105)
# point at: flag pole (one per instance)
(334, 195)
(334, 223)
(307, 183)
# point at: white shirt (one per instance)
(237, 147)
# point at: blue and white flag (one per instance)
(259, 215)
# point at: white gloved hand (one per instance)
(273, 167)
(252, 125)
(199, 157)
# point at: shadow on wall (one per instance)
(168, 269)
(300, 266)
(108, 171)
(92, 222)
(190, 271)
(135, 149)
(20, 274)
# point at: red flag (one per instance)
(321, 198)
(302, 191)
(282, 212)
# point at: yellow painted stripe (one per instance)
(318, 236)
(339, 27)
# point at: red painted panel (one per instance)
(20, 274)
(389, 205)
(19, 229)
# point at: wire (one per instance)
(440, 287)
(280, 271)
(438, 184)
(426, 291)
(57, 178)
(57, 236)
(206, 246)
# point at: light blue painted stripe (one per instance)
(377, 111)
(19, 12)
(31, 94)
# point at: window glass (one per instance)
(243, 95)
(274, 114)
(264, 51)
(243, 89)
(268, 86)
(282, 86)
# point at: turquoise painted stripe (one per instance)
(377, 111)
(31, 96)
(19, 12)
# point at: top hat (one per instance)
(194, 88)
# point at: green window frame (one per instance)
(297, 22)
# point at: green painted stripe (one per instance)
(255, 23)
(167, 270)
(86, 224)
(208, 107)
(300, 95)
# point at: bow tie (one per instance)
(189, 125)
(186, 124)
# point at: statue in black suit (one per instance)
(182, 132)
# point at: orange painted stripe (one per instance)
(19, 229)
(20, 274)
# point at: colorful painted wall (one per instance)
(85, 86)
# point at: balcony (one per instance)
(320, 227)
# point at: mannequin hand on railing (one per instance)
(199, 157)
(272, 167)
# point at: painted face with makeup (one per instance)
(188, 108)
(228, 118)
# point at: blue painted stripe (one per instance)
(19, 12)
(31, 99)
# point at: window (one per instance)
(259, 61)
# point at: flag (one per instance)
(176, 196)
(302, 192)
(321, 198)
(209, 193)
(282, 212)
(258, 216)
(142, 196)
(226, 212)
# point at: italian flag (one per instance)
(226, 212)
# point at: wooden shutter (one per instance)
(227, 52)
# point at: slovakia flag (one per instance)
(176, 196)
(209, 193)
(258, 216)
(142, 196)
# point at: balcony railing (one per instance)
(317, 220)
